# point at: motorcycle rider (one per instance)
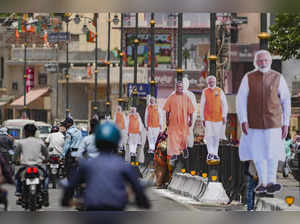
(106, 176)
(72, 141)
(31, 151)
(6, 143)
(88, 148)
(55, 141)
(5, 177)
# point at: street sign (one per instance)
(51, 67)
(143, 89)
(55, 37)
(240, 20)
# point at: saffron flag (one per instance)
(89, 70)
(17, 34)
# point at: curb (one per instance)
(274, 204)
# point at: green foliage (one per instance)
(285, 36)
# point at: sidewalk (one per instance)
(187, 190)
(290, 186)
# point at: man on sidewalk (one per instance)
(213, 112)
(179, 117)
(264, 108)
(153, 123)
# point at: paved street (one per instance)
(164, 200)
(159, 203)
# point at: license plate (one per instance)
(32, 181)
(54, 165)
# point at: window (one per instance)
(14, 86)
(42, 79)
(74, 37)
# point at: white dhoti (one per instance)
(152, 137)
(262, 144)
(190, 138)
(133, 141)
(124, 138)
(214, 131)
(265, 147)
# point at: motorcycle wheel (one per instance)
(32, 202)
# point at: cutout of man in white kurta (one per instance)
(134, 132)
(121, 121)
(213, 117)
(264, 144)
(191, 95)
(153, 123)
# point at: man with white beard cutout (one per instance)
(264, 108)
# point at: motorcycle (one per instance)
(32, 195)
(55, 168)
(294, 161)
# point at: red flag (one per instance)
(90, 37)
(29, 79)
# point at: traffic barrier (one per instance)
(230, 173)
(198, 188)
(187, 186)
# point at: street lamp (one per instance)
(179, 49)
(108, 70)
(25, 65)
(85, 29)
(67, 18)
(136, 43)
(152, 82)
(116, 21)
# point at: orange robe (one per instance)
(120, 122)
(180, 108)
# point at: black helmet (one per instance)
(29, 130)
(54, 129)
(107, 136)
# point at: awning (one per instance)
(6, 100)
(31, 96)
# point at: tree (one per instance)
(285, 36)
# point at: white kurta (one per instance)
(190, 138)
(214, 129)
(153, 132)
(124, 133)
(261, 144)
